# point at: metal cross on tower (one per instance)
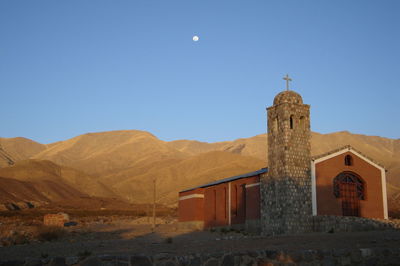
(287, 81)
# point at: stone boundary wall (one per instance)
(320, 223)
(363, 256)
(327, 223)
(58, 219)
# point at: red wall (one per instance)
(326, 171)
(216, 205)
(253, 203)
(213, 209)
(191, 209)
(245, 202)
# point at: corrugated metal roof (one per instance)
(261, 171)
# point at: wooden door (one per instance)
(350, 200)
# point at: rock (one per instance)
(271, 254)
(162, 256)
(211, 262)
(71, 260)
(33, 262)
(140, 260)
(13, 263)
(122, 260)
(90, 261)
(196, 261)
(58, 261)
(365, 252)
(228, 260)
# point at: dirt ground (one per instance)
(126, 236)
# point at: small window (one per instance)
(291, 122)
(348, 160)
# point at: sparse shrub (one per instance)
(20, 238)
(212, 230)
(50, 233)
(5, 242)
(224, 230)
(84, 254)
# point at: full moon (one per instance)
(195, 38)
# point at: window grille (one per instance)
(349, 178)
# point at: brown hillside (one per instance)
(15, 190)
(47, 172)
(184, 174)
(383, 150)
(107, 152)
(16, 149)
(255, 146)
(193, 147)
(40, 191)
(128, 160)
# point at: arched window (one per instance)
(291, 122)
(348, 160)
(349, 178)
(350, 188)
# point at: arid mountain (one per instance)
(127, 161)
(107, 152)
(183, 174)
(17, 194)
(16, 149)
(44, 181)
(255, 146)
(383, 150)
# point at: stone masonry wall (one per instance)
(330, 223)
(358, 256)
(286, 188)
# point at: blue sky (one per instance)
(73, 67)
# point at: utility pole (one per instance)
(154, 206)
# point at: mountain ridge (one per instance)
(126, 161)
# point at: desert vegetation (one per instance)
(26, 226)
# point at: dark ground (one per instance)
(127, 236)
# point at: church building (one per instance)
(284, 197)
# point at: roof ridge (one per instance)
(349, 147)
(228, 179)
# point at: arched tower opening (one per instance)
(291, 122)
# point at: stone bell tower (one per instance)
(286, 188)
